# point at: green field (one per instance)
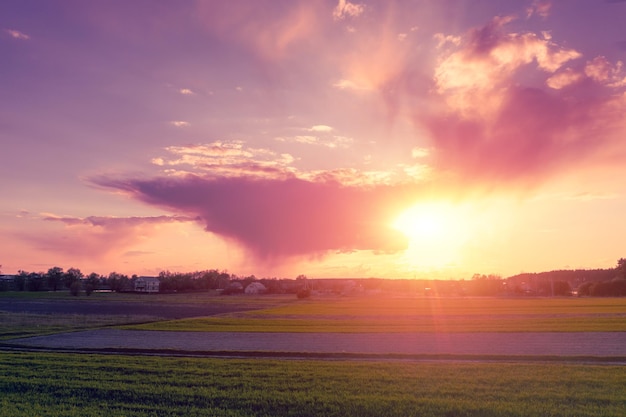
(388, 314)
(45, 384)
(55, 384)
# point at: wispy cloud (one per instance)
(97, 237)
(186, 92)
(179, 123)
(540, 8)
(268, 29)
(16, 34)
(227, 159)
(346, 9)
(323, 138)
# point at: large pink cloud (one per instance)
(276, 218)
(492, 123)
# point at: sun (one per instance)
(437, 233)
(426, 221)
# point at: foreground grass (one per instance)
(14, 325)
(369, 314)
(46, 384)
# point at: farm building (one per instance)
(255, 288)
(147, 284)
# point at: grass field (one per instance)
(418, 314)
(46, 384)
(55, 384)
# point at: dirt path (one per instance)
(599, 344)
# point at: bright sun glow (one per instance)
(437, 233)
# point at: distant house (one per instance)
(7, 282)
(147, 284)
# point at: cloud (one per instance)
(96, 237)
(480, 68)
(16, 34)
(268, 27)
(419, 152)
(323, 138)
(540, 8)
(492, 124)
(320, 128)
(601, 70)
(346, 9)
(345, 84)
(186, 92)
(179, 123)
(226, 159)
(563, 79)
(281, 218)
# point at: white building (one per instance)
(147, 284)
(255, 288)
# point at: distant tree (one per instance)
(20, 280)
(54, 277)
(75, 288)
(618, 287)
(621, 268)
(584, 289)
(118, 282)
(486, 285)
(91, 283)
(72, 275)
(35, 281)
(247, 281)
(305, 289)
(560, 288)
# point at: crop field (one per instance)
(14, 325)
(48, 384)
(385, 314)
(64, 384)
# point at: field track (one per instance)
(592, 346)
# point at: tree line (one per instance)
(598, 282)
(72, 279)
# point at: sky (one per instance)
(330, 138)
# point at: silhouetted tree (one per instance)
(72, 275)
(560, 288)
(35, 281)
(118, 282)
(54, 277)
(20, 280)
(486, 285)
(91, 283)
(621, 268)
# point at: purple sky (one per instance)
(326, 138)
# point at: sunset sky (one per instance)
(403, 139)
